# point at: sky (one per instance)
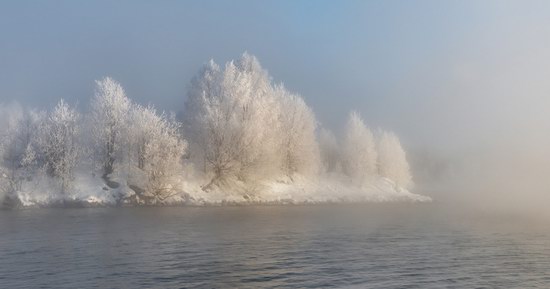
(467, 77)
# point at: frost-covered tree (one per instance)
(256, 119)
(299, 150)
(142, 130)
(13, 144)
(392, 161)
(229, 114)
(330, 151)
(58, 143)
(211, 122)
(204, 86)
(109, 117)
(18, 129)
(359, 150)
(158, 148)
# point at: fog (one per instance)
(464, 83)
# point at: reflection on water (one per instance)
(386, 246)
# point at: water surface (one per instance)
(370, 246)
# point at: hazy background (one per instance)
(464, 83)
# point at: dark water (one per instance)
(376, 246)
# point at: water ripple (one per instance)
(269, 247)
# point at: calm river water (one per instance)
(362, 246)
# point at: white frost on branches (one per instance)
(158, 150)
(392, 161)
(243, 128)
(109, 115)
(18, 130)
(58, 143)
(359, 150)
(240, 133)
(299, 147)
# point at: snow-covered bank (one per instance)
(93, 191)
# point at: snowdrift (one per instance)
(94, 191)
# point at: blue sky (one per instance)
(440, 73)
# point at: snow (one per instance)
(91, 190)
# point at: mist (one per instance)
(463, 83)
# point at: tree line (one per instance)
(238, 126)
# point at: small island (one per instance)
(241, 138)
